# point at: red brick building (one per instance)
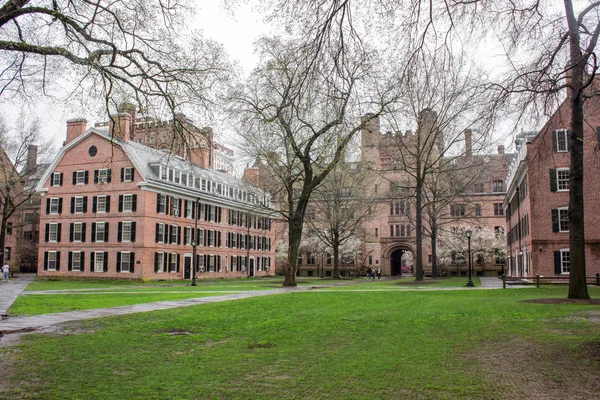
(537, 201)
(113, 207)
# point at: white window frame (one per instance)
(76, 264)
(126, 254)
(96, 233)
(75, 232)
(162, 204)
(565, 142)
(54, 205)
(234, 263)
(201, 267)
(102, 175)
(212, 259)
(187, 235)
(53, 232)
(565, 261)
(561, 211)
(127, 202)
(56, 178)
(128, 174)
(212, 238)
(78, 209)
(189, 209)
(173, 233)
(173, 262)
(80, 177)
(201, 233)
(162, 172)
(161, 232)
(98, 261)
(52, 261)
(126, 228)
(161, 262)
(177, 177)
(104, 198)
(562, 184)
(176, 211)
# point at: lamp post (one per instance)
(468, 233)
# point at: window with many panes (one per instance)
(126, 231)
(76, 261)
(79, 204)
(98, 261)
(174, 234)
(101, 204)
(54, 205)
(457, 210)
(160, 262)
(52, 261)
(103, 175)
(125, 261)
(127, 202)
(77, 231)
(189, 209)
(565, 261)
(173, 262)
(162, 204)
(498, 210)
(53, 232)
(562, 179)
(100, 231)
(80, 177)
(498, 186)
(128, 174)
(562, 140)
(57, 179)
(563, 219)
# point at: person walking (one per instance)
(379, 273)
(369, 271)
(5, 269)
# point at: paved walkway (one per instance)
(491, 282)
(9, 291)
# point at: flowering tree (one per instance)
(486, 245)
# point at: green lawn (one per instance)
(466, 344)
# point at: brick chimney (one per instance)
(122, 125)
(251, 175)
(75, 128)
(468, 143)
(32, 152)
(501, 149)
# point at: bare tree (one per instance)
(17, 171)
(341, 204)
(298, 112)
(115, 51)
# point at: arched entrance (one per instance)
(400, 260)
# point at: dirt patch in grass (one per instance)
(564, 301)
(522, 369)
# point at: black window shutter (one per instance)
(120, 232)
(57, 260)
(72, 205)
(220, 211)
(60, 179)
(120, 203)
(107, 203)
(118, 261)
(72, 227)
(157, 202)
(60, 205)
(134, 202)
(568, 140)
(179, 235)
(553, 183)
(131, 262)
(105, 266)
(74, 177)
(106, 231)
(81, 261)
(70, 262)
(96, 176)
(83, 232)
(92, 265)
(169, 232)
(156, 261)
(219, 238)
(45, 261)
(94, 204)
(93, 232)
(166, 204)
(557, 260)
(47, 233)
(86, 177)
(178, 262)
(122, 174)
(108, 175)
(194, 211)
(133, 232)
(156, 238)
(84, 204)
(185, 207)
(554, 142)
(47, 206)
(555, 224)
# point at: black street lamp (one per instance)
(468, 234)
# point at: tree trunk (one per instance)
(577, 283)
(419, 228)
(294, 237)
(434, 271)
(336, 255)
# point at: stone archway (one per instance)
(395, 255)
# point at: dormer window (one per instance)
(560, 138)
(163, 172)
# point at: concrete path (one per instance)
(9, 291)
(27, 324)
(490, 282)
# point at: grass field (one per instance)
(466, 344)
(86, 295)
